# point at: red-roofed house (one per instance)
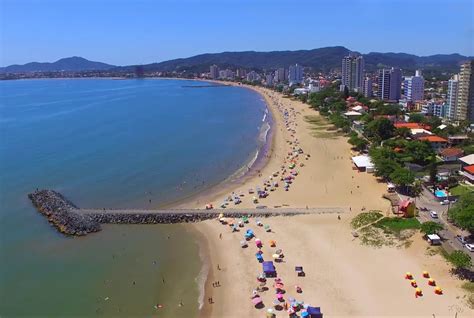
(451, 154)
(412, 125)
(407, 208)
(436, 142)
(468, 172)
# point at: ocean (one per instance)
(113, 143)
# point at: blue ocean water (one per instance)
(112, 143)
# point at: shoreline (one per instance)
(239, 177)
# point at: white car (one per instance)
(445, 202)
(470, 247)
(433, 214)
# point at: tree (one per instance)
(430, 227)
(402, 177)
(416, 118)
(380, 129)
(459, 259)
(357, 142)
(462, 213)
(416, 189)
(403, 132)
(433, 169)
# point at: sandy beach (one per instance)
(343, 277)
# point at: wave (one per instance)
(202, 276)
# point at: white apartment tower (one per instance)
(353, 72)
(214, 72)
(452, 97)
(295, 74)
(414, 87)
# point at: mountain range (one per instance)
(322, 59)
(74, 64)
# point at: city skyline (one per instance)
(145, 32)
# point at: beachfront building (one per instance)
(295, 74)
(226, 74)
(352, 72)
(253, 76)
(281, 75)
(214, 72)
(465, 102)
(414, 87)
(269, 79)
(389, 84)
(367, 89)
(363, 163)
(240, 73)
(452, 98)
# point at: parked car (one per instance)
(470, 247)
(463, 239)
(434, 214)
(445, 202)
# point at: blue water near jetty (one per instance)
(113, 143)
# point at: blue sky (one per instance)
(143, 31)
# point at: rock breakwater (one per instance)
(59, 212)
(71, 220)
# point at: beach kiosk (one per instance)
(269, 269)
(434, 239)
(314, 312)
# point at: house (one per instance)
(456, 140)
(352, 115)
(467, 160)
(412, 125)
(360, 108)
(468, 172)
(407, 208)
(451, 154)
(363, 163)
(436, 142)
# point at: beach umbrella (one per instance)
(275, 256)
(305, 314)
(280, 296)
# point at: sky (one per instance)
(124, 32)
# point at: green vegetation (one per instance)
(459, 259)
(469, 288)
(365, 219)
(430, 227)
(396, 224)
(357, 142)
(462, 213)
(460, 190)
(380, 129)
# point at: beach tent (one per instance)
(314, 312)
(269, 269)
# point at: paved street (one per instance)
(427, 201)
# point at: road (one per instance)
(427, 201)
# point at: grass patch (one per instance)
(365, 218)
(461, 189)
(469, 288)
(315, 120)
(396, 225)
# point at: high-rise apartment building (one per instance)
(295, 74)
(452, 97)
(389, 84)
(367, 89)
(465, 102)
(214, 72)
(281, 75)
(353, 72)
(414, 87)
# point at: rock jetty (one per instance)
(71, 220)
(59, 212)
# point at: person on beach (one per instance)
(220, 236)
(218, 267)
